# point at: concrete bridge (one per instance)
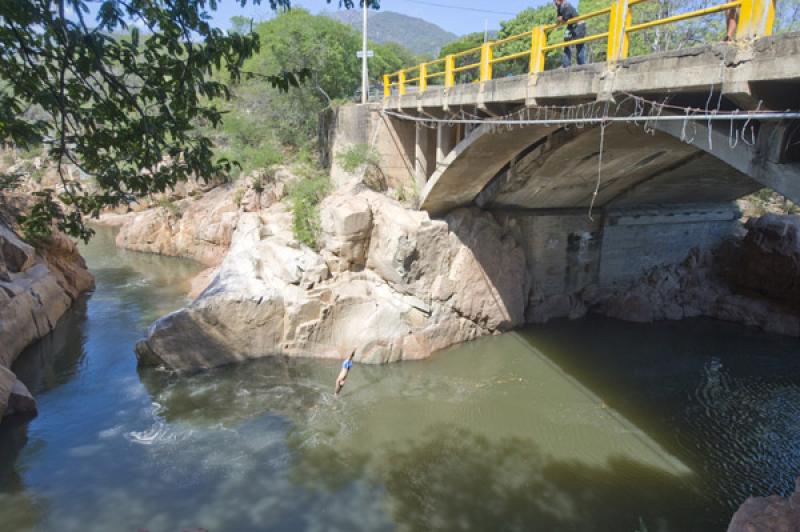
(663, 189)
(540, 167)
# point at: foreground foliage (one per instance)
(305, 196)
(122, 110)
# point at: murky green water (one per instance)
(590, 425)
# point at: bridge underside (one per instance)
(660, 191)
(537, 167)
(556, 168)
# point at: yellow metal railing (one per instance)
(756, 19)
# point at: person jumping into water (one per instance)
(346, 365)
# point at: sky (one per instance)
(461, 17)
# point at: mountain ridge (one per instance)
(418, 35)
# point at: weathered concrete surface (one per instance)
(668, 164)
(394, 141)
(742, 70)
(535, 168)
(572, 259)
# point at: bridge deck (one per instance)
(747, 74)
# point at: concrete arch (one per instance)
(538, 167)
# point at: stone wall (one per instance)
(637, 241)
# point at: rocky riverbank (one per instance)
(393, 284)
(388, 282)
(753, 280)
(37, 285)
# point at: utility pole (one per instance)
(364, 69)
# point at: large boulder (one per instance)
(390, 283)
(690, 289)
(7, 381)
(768, 514)
(487, 273)
(346, 226)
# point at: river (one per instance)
(586, 425)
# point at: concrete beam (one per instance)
(424, 155)
(445, 142)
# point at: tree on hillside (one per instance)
(462, 44)
(121, 110)
(525, 21)
(263, 123)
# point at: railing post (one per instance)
(618, 23)
(423, 77)
(387, 86)
(538, 42)
(756, 19)
(449, 71)
(401, 82)
(486, 62)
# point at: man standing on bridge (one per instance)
(565, 13)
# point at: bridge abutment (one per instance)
(568, 254)
(424, 154)
(446, 139)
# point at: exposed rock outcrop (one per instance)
(36, 288)
(200, 229)
(753, 280)
(768, 514)
(767, 260)
(389, 282)
(198, 223)
(687, 290)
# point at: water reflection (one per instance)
(723, 398)
(459, 480)
(422, 448)
(57, 357)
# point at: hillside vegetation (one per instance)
(263, 125)
(415, 34)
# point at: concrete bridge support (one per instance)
(424, 154)
(568, 253)
(446, 140)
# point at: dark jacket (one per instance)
(574, 31)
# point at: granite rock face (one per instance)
(768, 514)
(389, 282)
(36, 287)
(198, 226)
(200, 229)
